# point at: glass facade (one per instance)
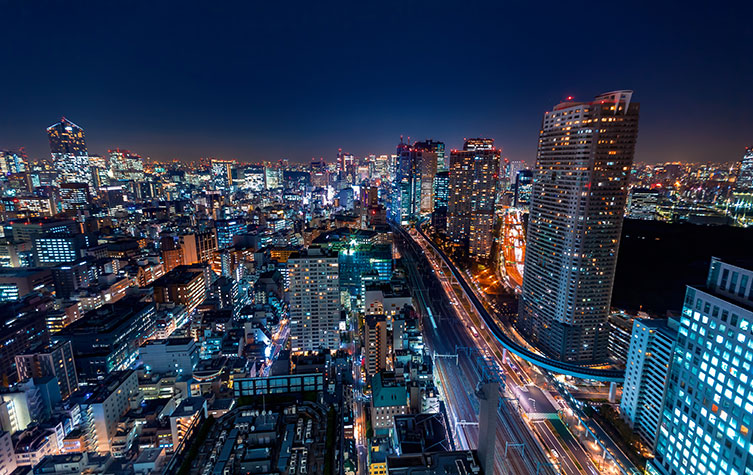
(708, 409)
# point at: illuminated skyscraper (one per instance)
(314, 300)
(744, 183)
(441, 197)
(707, 413)
(413, 194)
(69, 154)
(472, 192)
(577, 205)
(222, 173)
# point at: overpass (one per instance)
(555, 366)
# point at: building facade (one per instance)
(708, 408)
(646, 373)
(69, 155)
(576, 212)
(314, 297)
(472, 194)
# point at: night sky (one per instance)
(262, 81)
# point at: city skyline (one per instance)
(296, 83)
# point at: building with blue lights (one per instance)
(708, 407)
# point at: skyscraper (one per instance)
(413, 194)
(579, 191)
(472, 192)
(69, 154)
(744, 181)
(708, 406)
(441, 197)
(314, 300)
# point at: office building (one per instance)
(227, 229)
(102, 410)
(374, 337)
(413, 192)
(642, 204)
(708, 407)
(472, 195)
(314, 297)
(183, 285)
(12, 162)
(744, 180)
(23, 328)
(199, 247)
(646, 375)
(125, 165)
(58, 249)
(74, 196)
(222, 173)
(15, 283)
(69, 155)
(53, 360)
(441, 198)
(389, 399)
(108, 338)
(577, 207)
(173, 355)
(29, 229)
(523, 185)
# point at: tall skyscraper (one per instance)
(744, 183)
(222, 173)
(708, 406)
(472, 192)
(314, 300)
(441, 197)
(413, 194)
(579, 191)
(69, 154)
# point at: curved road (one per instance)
(583, 372)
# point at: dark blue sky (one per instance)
(260, 81)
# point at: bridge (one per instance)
(555, 366)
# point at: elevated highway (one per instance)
(555, 366)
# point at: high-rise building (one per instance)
(54, 360)
(708, 406)
(184, 285)
(125, 165)
(413, 194)
(374, 339)
(523, 186)
(651, 344)
(227, 229)
(314, 300)
(577, 206)
(222, 173)
(642, 204)
(12, 162)
(744, 181)
(69, 154)
(472, 194)
(441, 198)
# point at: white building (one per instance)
(7, 456)
(173, 355)
(314, 297)
(649, 356)
(102, 411)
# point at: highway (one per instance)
(512, 249)
(577, 451)
(560, 367)
(458, 372)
